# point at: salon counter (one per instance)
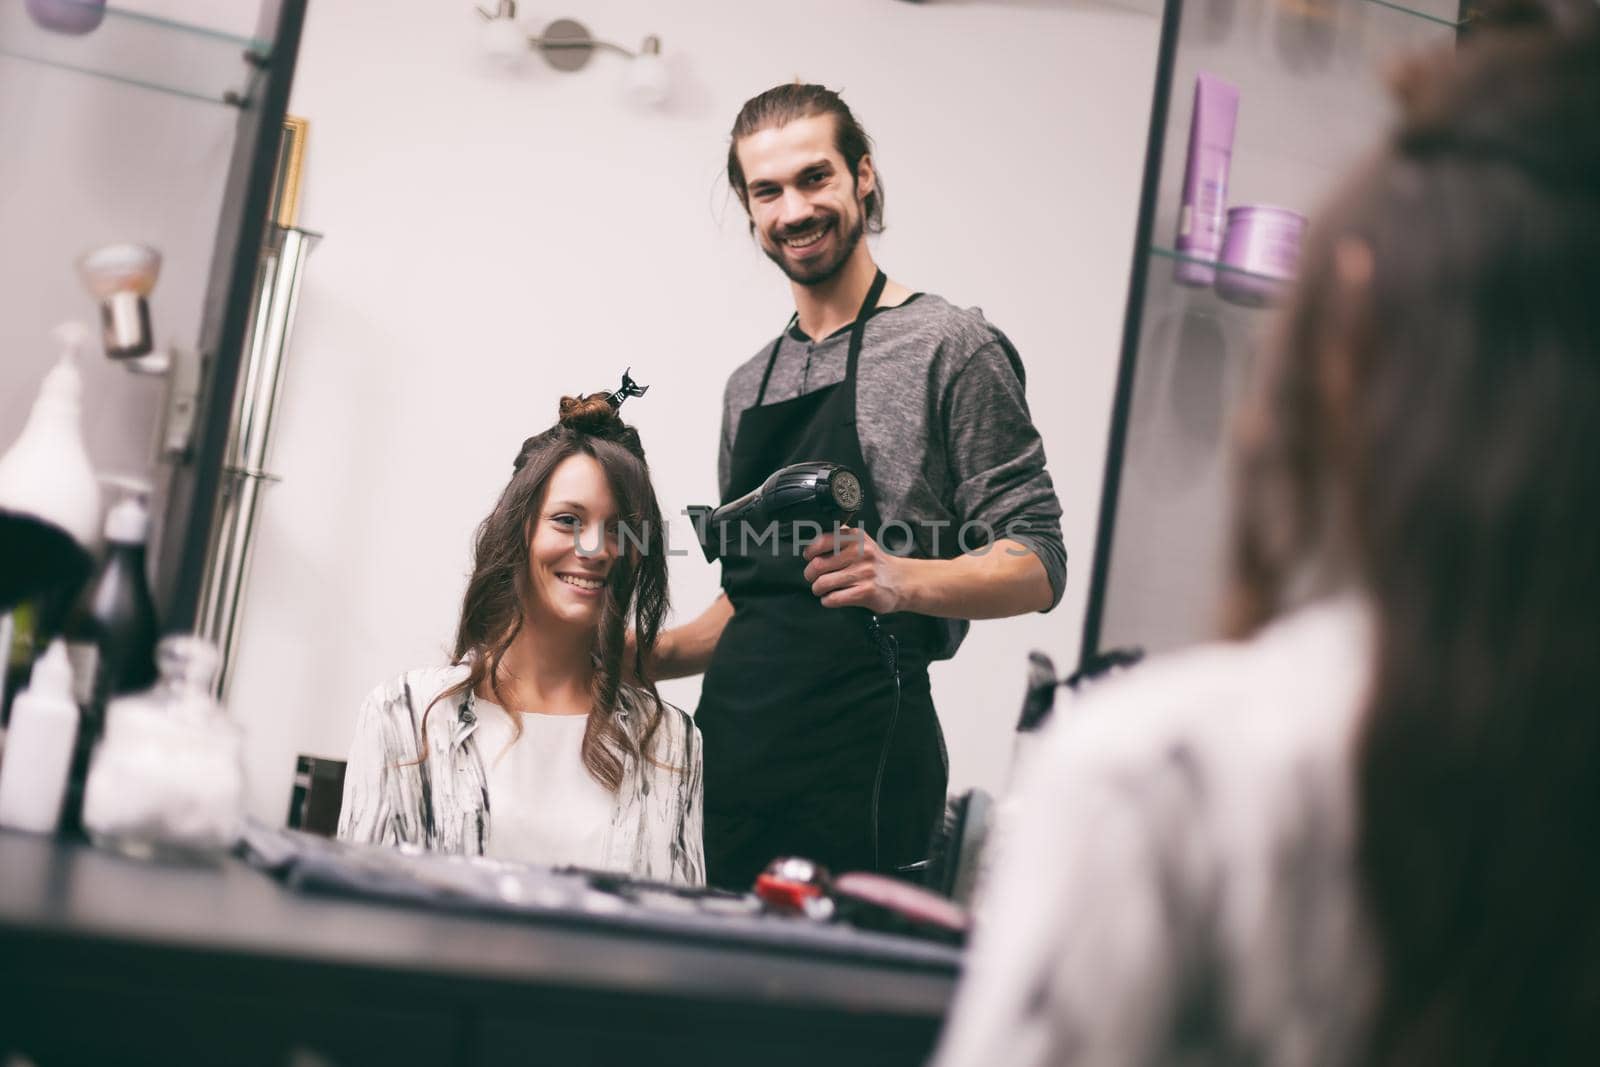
(104, 960)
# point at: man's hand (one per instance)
(847, 568)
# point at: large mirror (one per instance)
(498, 236)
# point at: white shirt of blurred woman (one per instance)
(1179, 885)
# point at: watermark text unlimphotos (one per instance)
(895, 536)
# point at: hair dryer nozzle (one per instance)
(846, 489)
(815, 492)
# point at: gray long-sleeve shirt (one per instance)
(950, 448)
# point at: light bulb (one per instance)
(120, 277)
(504, 41)
(647, 82)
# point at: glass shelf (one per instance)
(1437, 17)
(143, 50)
(1259, 281)
(1439, 12)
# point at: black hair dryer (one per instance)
(816, 492)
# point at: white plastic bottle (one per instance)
(45, 475)
(44, 724)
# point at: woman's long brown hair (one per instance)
(1430, 432)
(492, 611)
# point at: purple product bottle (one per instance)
(68, 16)
(1205, 178)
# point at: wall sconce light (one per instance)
(567, 45)
(120, 277)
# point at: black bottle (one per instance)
(111, 638)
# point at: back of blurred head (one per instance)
(1428, 433)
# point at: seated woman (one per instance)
(531, 746)
(1363, 831)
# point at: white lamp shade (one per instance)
(504, 42)
(119, 268)
(647, 82)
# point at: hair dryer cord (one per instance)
(890, 647)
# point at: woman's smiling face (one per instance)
(572, 545)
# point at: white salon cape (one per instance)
(436, 774)
(1178, 886)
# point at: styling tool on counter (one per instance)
(792, 885)
(667, 896)
(49, 499)
(120, 277)
(815, 493)
(39, 746)
(877, 902)
(1205, 179)
(568, 897)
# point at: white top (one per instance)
(544, 805)
(429, 788)
(1179, 885)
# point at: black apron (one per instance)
(808, 752)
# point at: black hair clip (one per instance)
(628, 388)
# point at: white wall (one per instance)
(496, 241)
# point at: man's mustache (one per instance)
(802, 229)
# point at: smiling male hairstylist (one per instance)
(808, 752)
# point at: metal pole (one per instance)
(245, 470)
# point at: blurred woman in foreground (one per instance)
(1364, 829)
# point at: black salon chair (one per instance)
(318, 793)
(957, 847)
